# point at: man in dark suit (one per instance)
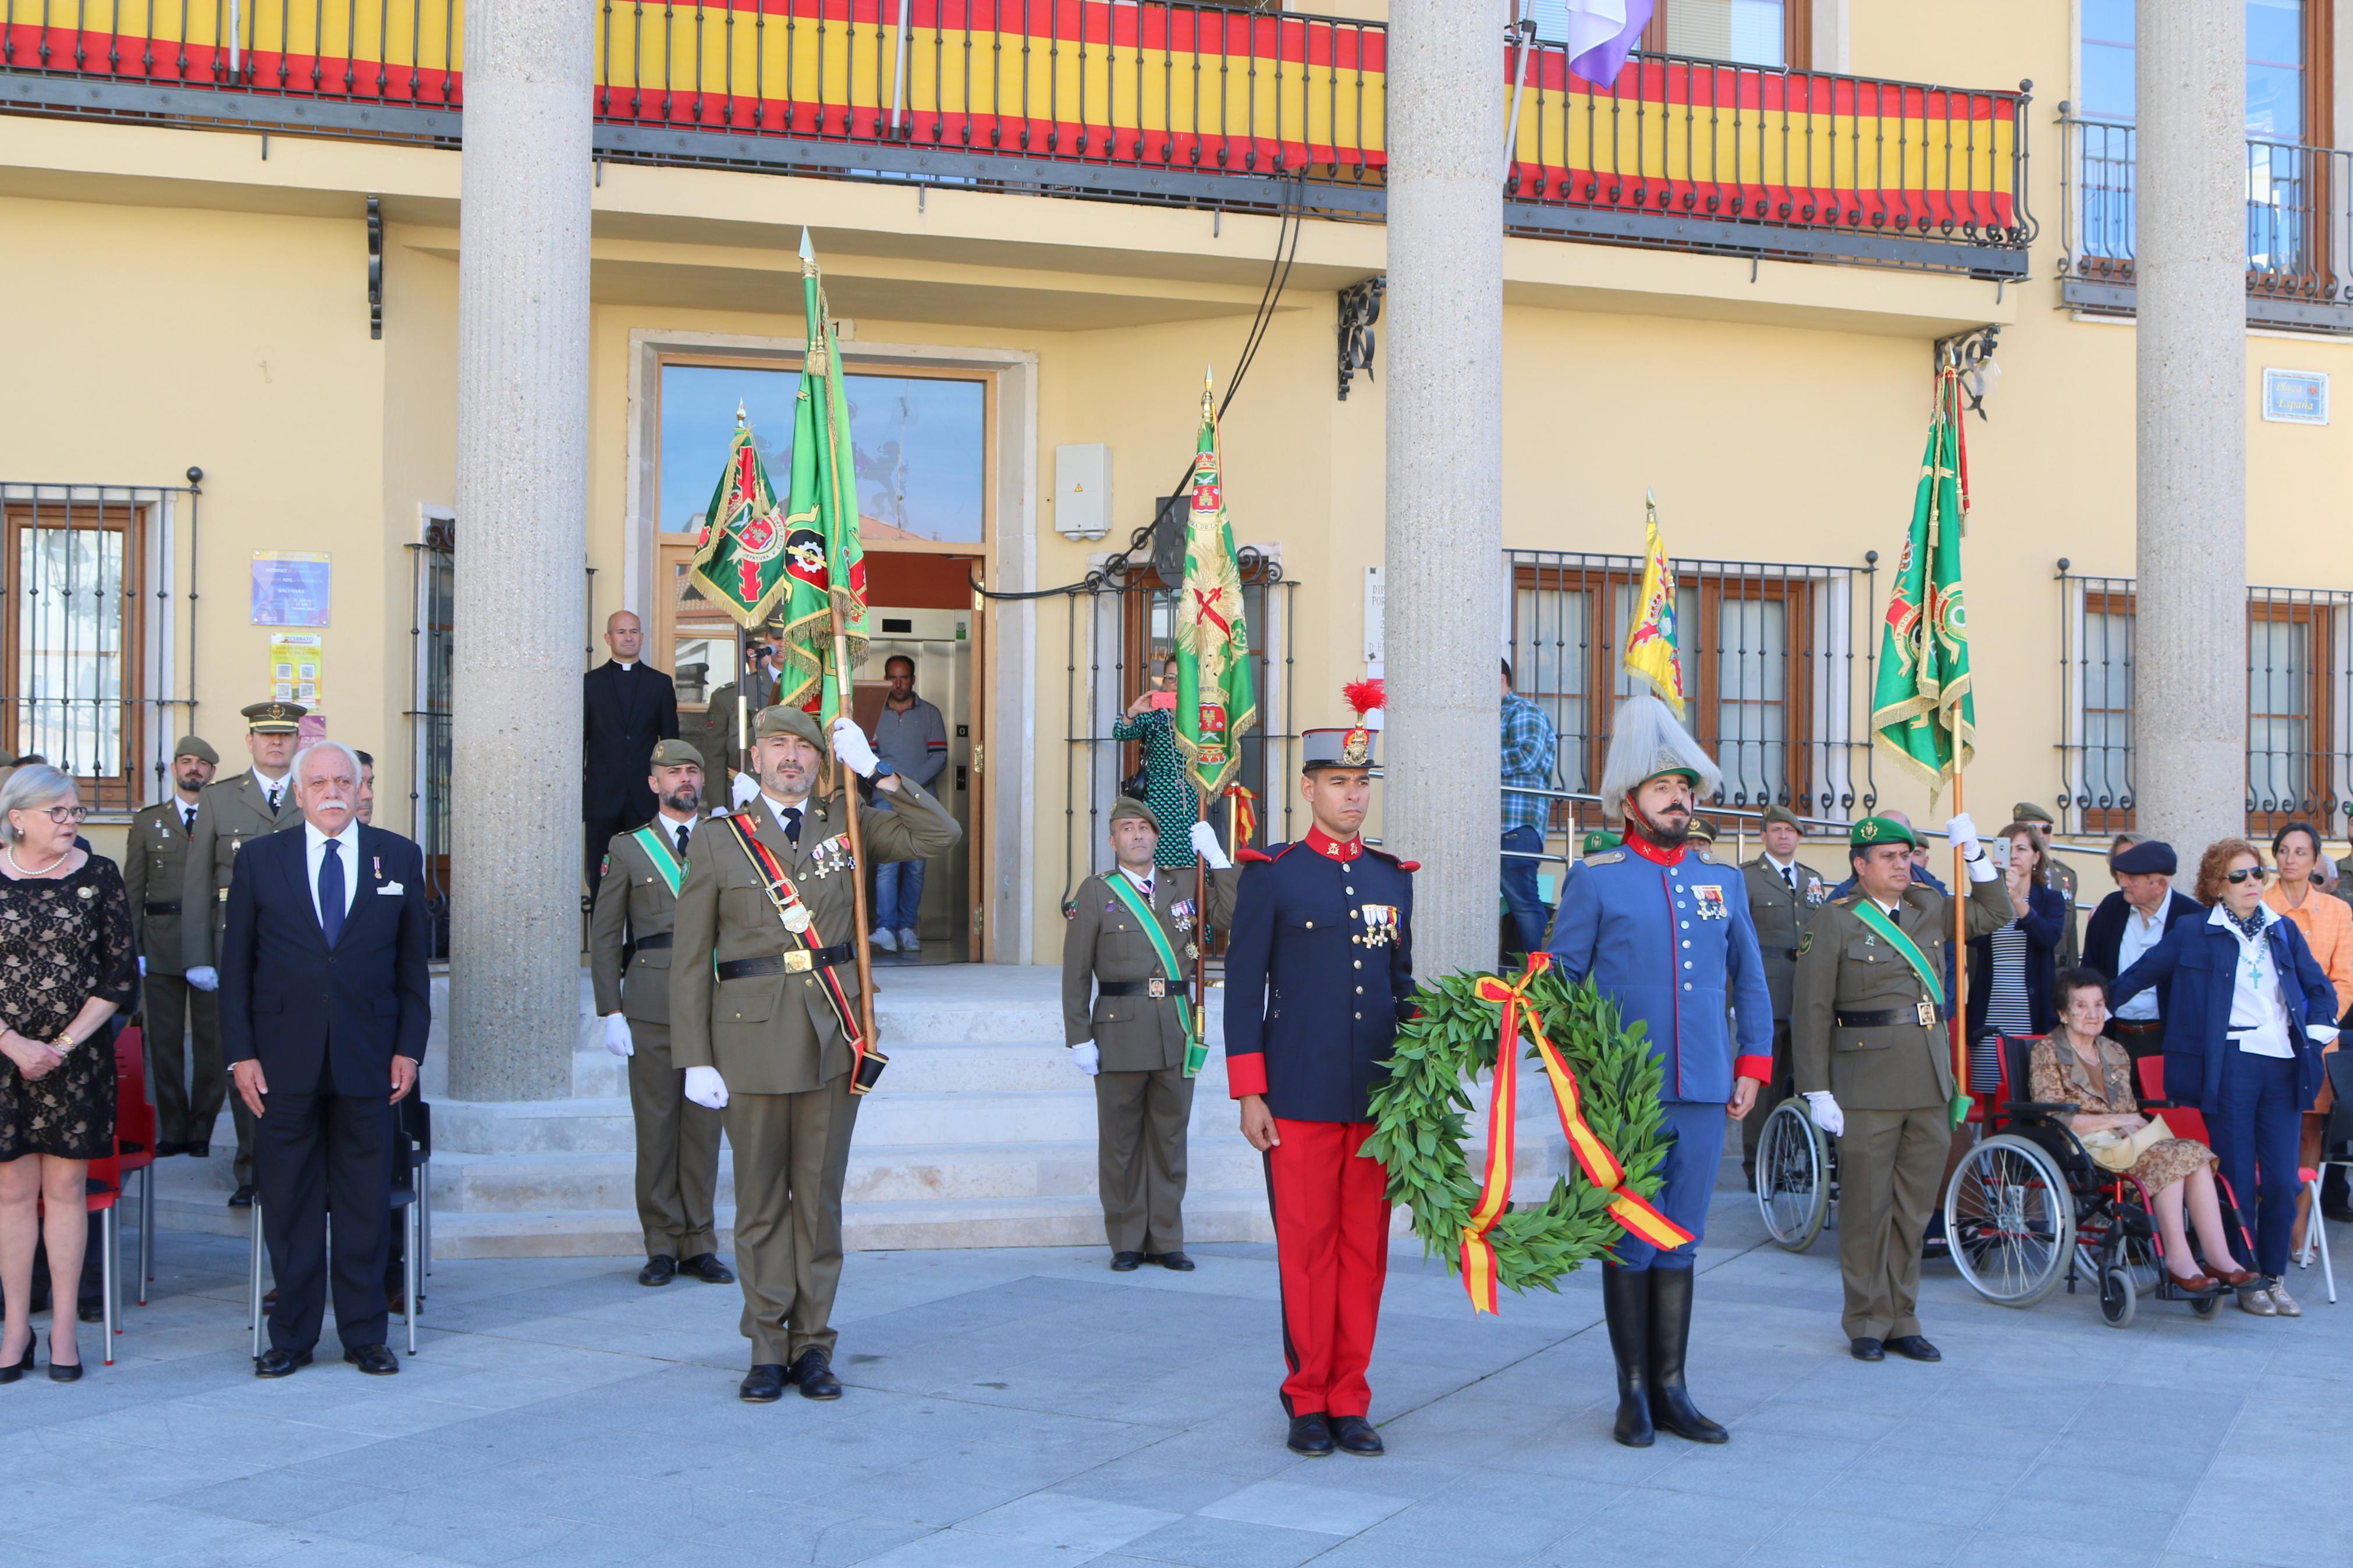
(2129, 923)
(324, 1008)
(628, 708)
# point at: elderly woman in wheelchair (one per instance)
(2074, 1065)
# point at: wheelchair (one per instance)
(1796, 1181)
(2028, 1209)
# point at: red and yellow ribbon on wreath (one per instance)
(1634, 1213)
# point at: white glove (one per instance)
(1087, 1057)
(142, 967)
(617, 1035)
(1963, 835)
(1206, 845)
(706, 1087)
(1827, 1114)
(744, 789)
(204, 977)
(850, 745)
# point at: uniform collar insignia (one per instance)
(1333, 848)
(1653, 852)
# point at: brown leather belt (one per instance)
(798, 961)
(2137, 1026)
(168, 907)
(659, 938)
(1154, 987)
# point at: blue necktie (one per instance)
(330, 892)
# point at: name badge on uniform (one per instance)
(1711, 901)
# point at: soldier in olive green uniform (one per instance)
(229, 812)
(678, 1140)
(760, 985)
(1876, 1068)
(2063, 876)
(1783, 895)
(1125, 1018)
(722, 753)
(155, 875)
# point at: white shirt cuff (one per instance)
(2324, 1033)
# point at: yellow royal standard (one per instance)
(1651, 648)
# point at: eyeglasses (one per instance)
(64, 814)
(2246, 873)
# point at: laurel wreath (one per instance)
(1419, 1124)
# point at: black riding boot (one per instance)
(1626, 1303)
(1670, 1403)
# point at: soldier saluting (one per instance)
(765, 1020)
(678, 1140)
(1134, 934)
(1877, 1068)
(1319, 974)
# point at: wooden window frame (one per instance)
(132, 521)
(2317, 624)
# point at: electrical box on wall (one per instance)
(1083, 490)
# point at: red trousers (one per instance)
(1332, 1246)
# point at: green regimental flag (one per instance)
(739, 561)
(1923, 711)
(824, 562)
(1215, 702)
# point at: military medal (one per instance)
(1711, 901)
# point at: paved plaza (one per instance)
(1028, 1407)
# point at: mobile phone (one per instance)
(1163, 699)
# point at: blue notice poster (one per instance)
(289, 588)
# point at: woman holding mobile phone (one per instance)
(1151, 720)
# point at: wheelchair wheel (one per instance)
(2011, 1221)
(2118, 1295)
(2206, 1306)
(1793, 1176)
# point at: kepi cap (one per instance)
(2154, 859)
(1352, 748)
(195, 746)
(675, 755)
(274, 717)
(1701, 829)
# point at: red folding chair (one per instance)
(135, 1141)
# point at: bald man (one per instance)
(630, 707)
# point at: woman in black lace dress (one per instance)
(66, 966)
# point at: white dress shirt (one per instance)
(2141, 933)
(1785, 870)
(1143, 881)
(314, 846)
(777, 808)
(277, 786)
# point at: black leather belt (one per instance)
(1133, 988)
(799, 961)
(659, 938)
(1878, 1020)
(2137, 1026)
(169, 907)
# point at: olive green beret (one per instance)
(1595, 842)
(1873, 831)
(2027, 811)
(1782, 814)
(195, 746)
(1127, 805)
(676, 755)
(784, 719)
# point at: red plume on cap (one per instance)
(1364, 696)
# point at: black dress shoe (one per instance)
(275, 1362)
(706, 1267)
(2338, 1212)
(814, 1373)
(1125, 1262)
(197, 1150)
(1310, 1435)
(1912, 1347)
(376, 1361)
(165, 1148)
(1354, 1434)
(1864, 1348)
(660, 1269)
(1175, 1260)
(90, 1311)
(764, 1385)
(242, 1198)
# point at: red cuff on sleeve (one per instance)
(1246, 1074)
(1758, 1068)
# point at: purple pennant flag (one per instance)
(1601, 34)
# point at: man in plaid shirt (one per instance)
(1528, 758)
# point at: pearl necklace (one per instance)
(10, 851)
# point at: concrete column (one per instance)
(1444, 629)
(522, 471)
(2190, 750)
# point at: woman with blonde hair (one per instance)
(67, 964)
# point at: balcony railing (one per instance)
(2299, 227)
(1198, 103)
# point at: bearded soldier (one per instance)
(765, 1021)
(154, 876)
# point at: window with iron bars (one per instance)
(1769, 655)
(85, 634)
(2299, 654)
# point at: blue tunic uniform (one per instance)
(1672, 944)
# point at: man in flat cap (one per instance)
(155, 875)
(2128, 922)
(1876, 1067)
(628, 965)
(2062, 875)
(1782, 897)
(1126, 960)
(229, 812)
(765, 1019)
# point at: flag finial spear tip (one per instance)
(739, 414)
(1649, 497)
(808, 251)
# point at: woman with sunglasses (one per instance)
(65, 967)
(2247, 1012)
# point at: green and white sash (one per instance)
(1872, 916)
(1128, 894)
(659, 850)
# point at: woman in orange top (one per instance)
(2326, 923)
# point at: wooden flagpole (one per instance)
(1959, 1001)
(1201, 925)
(857, 841)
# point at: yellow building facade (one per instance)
(242, 267)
